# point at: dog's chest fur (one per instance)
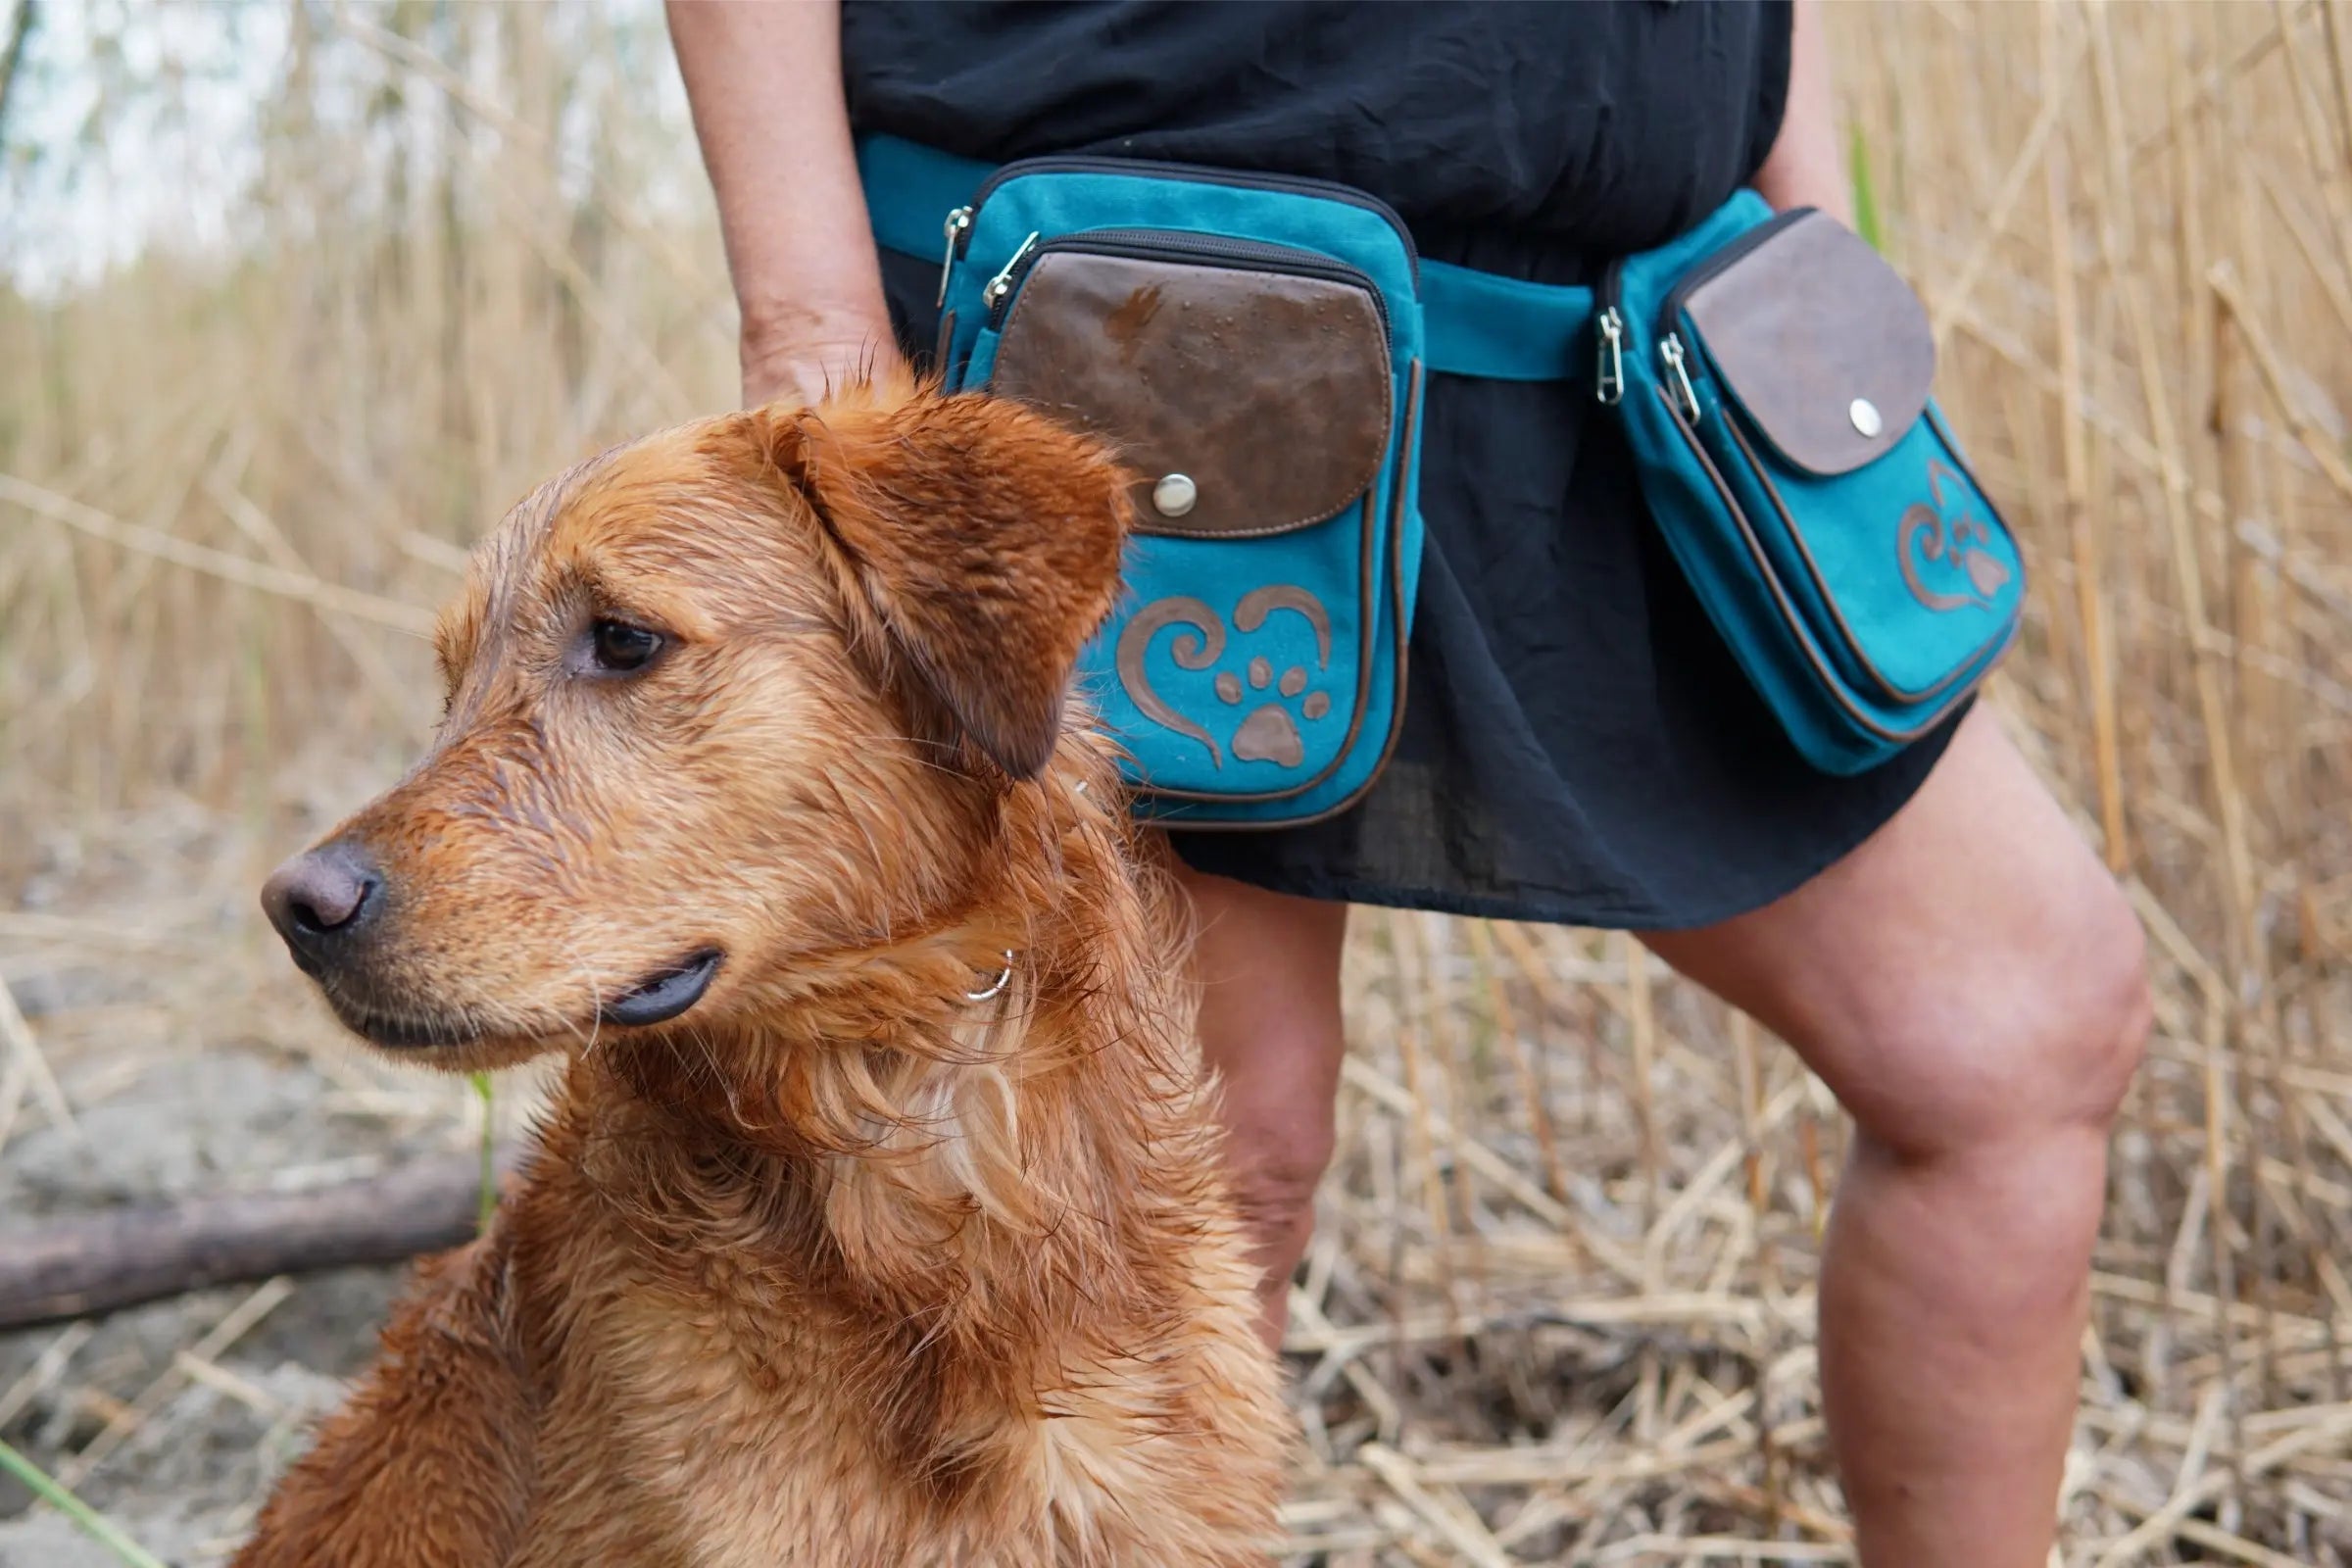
(773, 1414)
(763, 1467)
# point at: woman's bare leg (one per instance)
(1969, 983)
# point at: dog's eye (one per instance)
(621, 647)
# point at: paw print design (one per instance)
(1269, 732)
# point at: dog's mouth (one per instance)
(403, 1031)
(657, 998)
(662, 997)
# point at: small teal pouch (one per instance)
(1773, 376)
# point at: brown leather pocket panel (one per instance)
(1268, 391)
(1825, 347)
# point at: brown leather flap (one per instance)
(1823, 345)
(1267, 391)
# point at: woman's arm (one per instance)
(1804, 169)
(764, 83)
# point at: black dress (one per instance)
(1578, 746)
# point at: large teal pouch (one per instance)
(1773, 377)
(1252, 348)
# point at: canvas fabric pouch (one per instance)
(1773, 374)
(1251, 350)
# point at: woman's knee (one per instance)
(1277, 1091)
(2050, 1051)
(2117, 1014)
(1276, 1170)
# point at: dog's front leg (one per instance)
(430, 1465)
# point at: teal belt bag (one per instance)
(1772, 374)
(1255, 350)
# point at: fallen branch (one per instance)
(103, 1262)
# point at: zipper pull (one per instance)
(1001, 285)
(960, 222)
(1671, 351)
(1612, 356)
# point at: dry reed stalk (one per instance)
(2221, 775)
(1412, 979)
(295, 585)
(2081, 527)
(46, 1369)
(1522, 1052)
(233, 1327)
(2223, 279)
(2214, 92)
(1644, 1029)
(1448, 1515)
(15, 1077)
(1948, 303)
(24, 1054)
(425, 67)
(1438, 1028)
(384, 683)
(356, 404)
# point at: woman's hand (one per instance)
(800, 360)
(764, 83)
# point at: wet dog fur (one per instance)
(837, 1267)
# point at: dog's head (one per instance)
(745, 695)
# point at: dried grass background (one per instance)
(1559, 1308)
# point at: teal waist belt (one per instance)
(1474, 323)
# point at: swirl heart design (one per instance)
(1955, 544)
(1269, 732)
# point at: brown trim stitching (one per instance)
(943, 341)
(1951, 446)
(1404, 468)
(1253, 533)
(1789, 613)
(1380, 456)
(1363, 689)
(1897, 693)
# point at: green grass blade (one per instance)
(95, 1524)
(1865, 192)
(481, 1087)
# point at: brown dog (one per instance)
(879, 1220)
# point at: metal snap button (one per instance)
(1175, 495)
(1865, 414)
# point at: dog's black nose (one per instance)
(318, 899)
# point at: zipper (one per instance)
(1609, 379)
(1670, 350)
(1609, 313)
(1180, 245)
(999, 288)
(959, 224)
(1611, 289)
(1203, 174)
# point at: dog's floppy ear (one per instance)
(984, 538)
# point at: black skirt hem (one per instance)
(1538, 910)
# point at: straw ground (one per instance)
(1559, 1307)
